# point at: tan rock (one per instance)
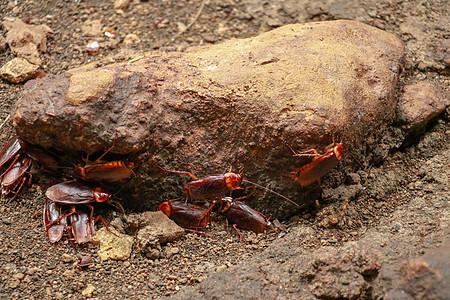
(117, 247)
(26, 40)
(156, 224)
(419, 103)
(18, 70)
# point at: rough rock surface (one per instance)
(239, 103)
(18, 70)
(425, 277)
(26, 40)
(419, 103)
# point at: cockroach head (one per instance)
(338, 151)
(166, 208)
(100, 195)
(232, 180)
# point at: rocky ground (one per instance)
(394, 229)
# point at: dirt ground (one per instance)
(31, 267)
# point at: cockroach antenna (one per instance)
(272, 191)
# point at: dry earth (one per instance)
(404, 193)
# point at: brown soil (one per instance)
(30, 267)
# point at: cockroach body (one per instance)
(186, 215)
(213, 186)
(243, 216)
(74, 192)
(52, 213)
(320, 165)
(105, 172)
(15, 176)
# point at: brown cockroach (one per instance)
(243, 216)
(216, 186)
(15, 176)
(186, 215)
(74, 193)
(320, 165)
(105, 172)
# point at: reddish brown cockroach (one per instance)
(186, 215)
(243, 216)
(15, 176)
(105, 172)
(74, 192)
(216, 186)
(52, 213)
(320, 165)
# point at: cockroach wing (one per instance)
(52, 212)
(70, 192)
(9, 150)
(82, 226)
(17, 170)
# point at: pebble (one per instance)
(6, 221)
(87, 292)
(67, 258)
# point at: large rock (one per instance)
(240, 103)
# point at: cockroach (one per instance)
(9, 150)
(15, 176)
(186, 215)
(243, 216)
(85, 261)
(74, 192)
(216, 186)
(105, 172)
(320, 165)
(52, 213)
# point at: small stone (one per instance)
(19, 276)
(67, 258)
(87, 292)
(131, 39)
(18, 70)
(92, 28)
(6, 221)
(13, 283)
(121, 5)
(221, 268)
(69, 274)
